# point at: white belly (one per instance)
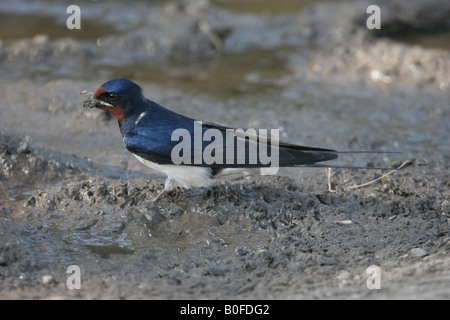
(185, 176)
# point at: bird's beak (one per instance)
(93, 101)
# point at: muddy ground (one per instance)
(70, 194)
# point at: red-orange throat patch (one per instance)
(116, 111)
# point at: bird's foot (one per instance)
(328, 173)
(169, 185)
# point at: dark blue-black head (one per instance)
(121, 97)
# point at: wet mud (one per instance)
(70, 194)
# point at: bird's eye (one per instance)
(112, 96)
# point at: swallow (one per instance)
(152, 133)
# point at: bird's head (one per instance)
(120, 97)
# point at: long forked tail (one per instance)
(403, 165)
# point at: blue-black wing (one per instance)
(152, 139)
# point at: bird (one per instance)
(152, 132)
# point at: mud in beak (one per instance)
(92, 102)
(95, 103)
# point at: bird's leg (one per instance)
(328, 173)
(168, 186)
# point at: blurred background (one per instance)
(310, 68)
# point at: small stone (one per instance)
(217, 271)
(24, 147)
(46, 279)
(418, 252)
(345, 222)
(242, 251)
(222, 218)
(30, 202)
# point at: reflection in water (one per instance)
(264, 6)
(437, 40)
(250, 72)
(14, 27)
